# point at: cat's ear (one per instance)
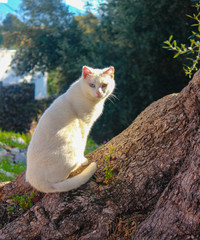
(110, 71)
(86, 71)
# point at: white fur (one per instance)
(58, 143)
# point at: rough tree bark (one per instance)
(155, 192)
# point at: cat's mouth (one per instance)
(99, 95)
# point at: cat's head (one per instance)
(98, 83)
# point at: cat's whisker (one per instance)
(110, 100)
(113, 97)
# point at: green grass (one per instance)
(91, 146)
(4, 178)
(8, 169)
(9, 139)
(13, 169)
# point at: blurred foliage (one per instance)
(53, 86)
(127, 34)
(14, 100)
(10, 31)
(45, 24)
(11, 23)
(132, 34)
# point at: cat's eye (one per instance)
(92, 85)
(104, 85)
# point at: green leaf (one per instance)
(170, 38)
(183, 46)
(167, 42)
(175, 56)
(189, 16)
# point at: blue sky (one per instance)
(4, 10)
(13, 5)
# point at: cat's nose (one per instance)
(98, 94)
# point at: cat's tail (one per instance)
(76, 181)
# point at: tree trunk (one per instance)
(154, 192)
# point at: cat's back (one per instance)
(59, 114)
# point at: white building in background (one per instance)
(8, 75)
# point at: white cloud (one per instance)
(3, 1)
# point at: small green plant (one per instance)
(108, 176)
(193, 49)
(23, 202)
(11, 208)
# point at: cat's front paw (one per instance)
(84, 161)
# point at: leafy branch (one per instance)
(194, 47)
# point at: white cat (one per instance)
(58, 143)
